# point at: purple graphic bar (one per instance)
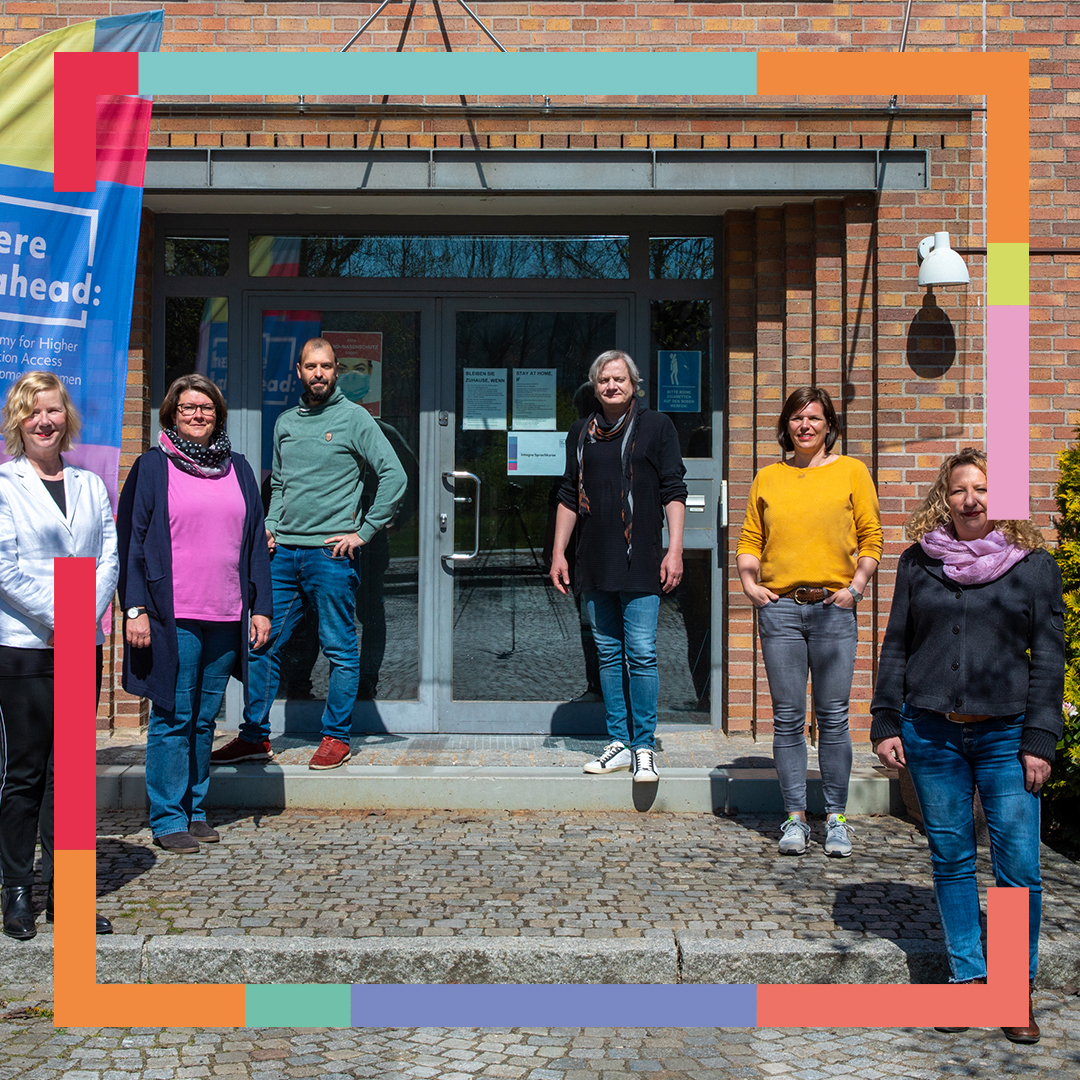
(547, 1005)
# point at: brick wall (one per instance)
(823, 292)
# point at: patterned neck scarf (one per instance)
(194, 458)
(972, 562)
(595, 429)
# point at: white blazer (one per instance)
(33, 532)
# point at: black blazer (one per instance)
(964, 648)
(142, 524)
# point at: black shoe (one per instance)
(101, 924)
(18, 909)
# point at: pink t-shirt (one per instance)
(206, 520)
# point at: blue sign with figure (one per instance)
(678, 381)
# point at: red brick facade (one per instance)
(824, 291)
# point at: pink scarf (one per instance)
(972, 562)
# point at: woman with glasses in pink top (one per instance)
(195, 587)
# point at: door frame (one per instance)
(245, 371)
(503, 717)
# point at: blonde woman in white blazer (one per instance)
(47, 510)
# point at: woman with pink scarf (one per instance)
(195, 588)
(969, 695)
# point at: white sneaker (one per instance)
(615, 758)
(793, 836)
(838, 836)
(644, 767)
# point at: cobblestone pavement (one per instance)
(352, 874)
(31, 1048)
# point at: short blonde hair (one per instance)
(19, 406)
(933, 511)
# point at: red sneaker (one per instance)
(242, 750)
(331, 753)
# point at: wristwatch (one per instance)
(135, 612)
(858, 595)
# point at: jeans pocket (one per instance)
(766, 616)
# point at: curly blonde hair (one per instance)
(933, 511)
(20, 405)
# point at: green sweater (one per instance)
(317, 479)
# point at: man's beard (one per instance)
(317, 394)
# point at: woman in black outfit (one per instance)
(969, 695)
(624, 474)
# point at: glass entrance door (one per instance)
(514, 654)
(384, 353)
(514, 378)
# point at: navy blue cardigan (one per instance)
(142, 524)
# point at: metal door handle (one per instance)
(463, 556)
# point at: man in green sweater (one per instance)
(315, 528)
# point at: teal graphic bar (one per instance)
(297, 1005)
(413, 74)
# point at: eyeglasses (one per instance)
(191, 410)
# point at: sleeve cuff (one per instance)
(1040, 742)
(886, 725)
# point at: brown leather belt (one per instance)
(806, 595)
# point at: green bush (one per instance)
(1065, 780)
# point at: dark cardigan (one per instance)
(964, 648)
(601, 561)
(142, 523)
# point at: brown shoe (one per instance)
(1029, 1034)
(331, 754)
(981, 981)
(179, 843)
(201, 831)
(242, 750)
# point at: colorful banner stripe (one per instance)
(413, 73)
(1002, 77)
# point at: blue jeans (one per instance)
(624, 629)
(178, 742)
(301, 576)
(818, 640)
(947, 762)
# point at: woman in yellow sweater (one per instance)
(810, 543)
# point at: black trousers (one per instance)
(26, 771)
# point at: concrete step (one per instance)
(669, 957)
(489, 787)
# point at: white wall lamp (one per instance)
(939, 264)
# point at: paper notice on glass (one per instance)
(534, 399)
(483, 399)
(536, 453)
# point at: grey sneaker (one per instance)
(793, 836)
(644, 766)
(615, 758)
(838, 836)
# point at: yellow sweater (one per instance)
(811, 526)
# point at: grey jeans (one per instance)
(816, 640)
